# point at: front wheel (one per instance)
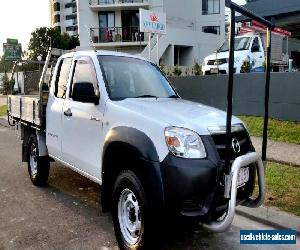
(38, 166)
(130, 212)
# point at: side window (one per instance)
(255, 44)
(62, 78)
(84, 72)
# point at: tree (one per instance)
(8, 65)
(42, 38)
(7, 84)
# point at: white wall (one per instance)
(86, 19)
(185, 22)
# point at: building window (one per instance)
(210, 7)
(57, 18)
(70, 17)
(69, 5)
(56, 6)
(71, 28)
(211, 29)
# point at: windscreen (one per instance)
(134, 78)
(240, 43)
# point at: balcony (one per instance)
(112, 5)
(117, 36)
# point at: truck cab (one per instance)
(249, 56)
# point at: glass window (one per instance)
(255, 44)
(106, 25)
(62, 77)
(210, 7)
(84, 72)
(240, 43)
(134, 78)
(106, 19)
(211, 29)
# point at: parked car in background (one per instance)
(249, 52)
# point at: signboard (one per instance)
(153, 22)
(12, 52)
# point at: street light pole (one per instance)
(39, 58)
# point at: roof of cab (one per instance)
(103, 53)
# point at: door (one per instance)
(130, 25)
(82, 123)
(107, 26)
(55, 105)
(257, 60)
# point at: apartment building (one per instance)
(195, 28)
(64, 15)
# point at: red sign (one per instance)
(259, 27)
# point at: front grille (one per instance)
(217, 61)
(241, 136)
(245, 145)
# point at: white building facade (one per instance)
(63, 14)
(195, 28)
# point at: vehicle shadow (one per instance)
(82, 196)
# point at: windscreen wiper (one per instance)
(147, 96)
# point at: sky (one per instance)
(18, 18)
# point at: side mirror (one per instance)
(85, 92)
(255, 48)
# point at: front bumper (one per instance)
(222, 69)
(196, 188)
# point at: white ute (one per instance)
(115, 119)
(250, 52)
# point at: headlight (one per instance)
(184, 143)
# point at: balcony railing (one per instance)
(104, 2)
(116, 34)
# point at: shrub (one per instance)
(197, 68)
(177, 71)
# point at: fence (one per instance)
(248, 96)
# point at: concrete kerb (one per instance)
(271, 216)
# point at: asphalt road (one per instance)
(67, 215)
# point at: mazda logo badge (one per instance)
(236, 145)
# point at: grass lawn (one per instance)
(3, 110)
(285, 131)
(283, 187)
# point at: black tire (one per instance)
(38, 166)
(128, 182)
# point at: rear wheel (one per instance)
(38, 166)
(130, 212)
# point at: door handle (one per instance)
(95, 119)
(68, 112)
